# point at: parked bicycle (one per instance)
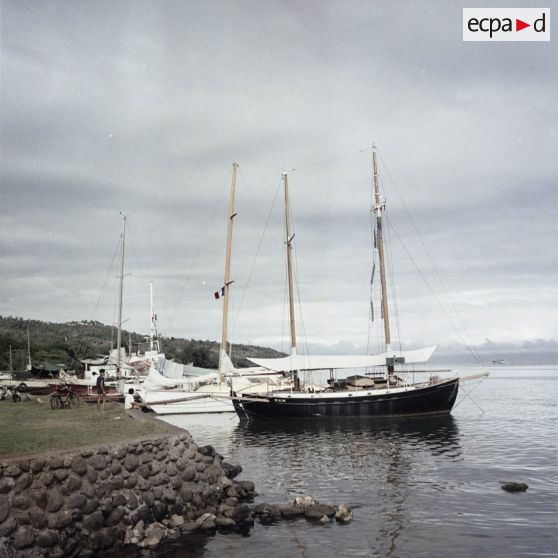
(64, 397)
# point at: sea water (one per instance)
(418, 487)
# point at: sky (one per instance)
(139, 108)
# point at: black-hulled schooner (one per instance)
(355, 396)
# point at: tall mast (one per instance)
(289, 239)
(379, 208)
(120, 296)
(289, 243)
(152, 316)
(11, 360)
(29, 365)
(227, 280)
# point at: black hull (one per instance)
(438, 398)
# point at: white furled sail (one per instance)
(155, 378)
(229, 369)
(328, 362)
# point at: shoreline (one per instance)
(32, 427)
(134, 414)
(98, 498)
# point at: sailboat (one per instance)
(115, 365)
(355, 396)
(205, 390)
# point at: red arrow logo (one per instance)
(519, 25)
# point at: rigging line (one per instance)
(375, 336)
(372, 267)
(297, 281)
(433, 293)
(471, 348)
(245, 182)
(379, 343)
(299, 300)
(334, 158)
(372, 342)
(114, 319)
(86, 338)
(196, 256)
(391, 278)
(245, 185)
(131, 242)
(309, 377)
(468, 395)
(256, 256)
(284, 314)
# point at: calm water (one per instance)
(425, 487)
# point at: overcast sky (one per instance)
(141, 108)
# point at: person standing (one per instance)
(101, 392)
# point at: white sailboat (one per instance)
(121, 368)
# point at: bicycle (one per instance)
(64, 398)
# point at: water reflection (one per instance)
(440, 434)
(192, 545)
(360, 460)
(419, 487)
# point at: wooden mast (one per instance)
(379, 208)
(11, 360)
(227, 280)
(289, 241)
(120, 296)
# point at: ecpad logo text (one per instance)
(506, 24)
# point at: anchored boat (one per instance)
(386, 394)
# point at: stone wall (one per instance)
(86, 502)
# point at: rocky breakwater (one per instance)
(88, 502)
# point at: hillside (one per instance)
(69, 342)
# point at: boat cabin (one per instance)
(356, 382)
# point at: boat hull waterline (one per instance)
(435, 398)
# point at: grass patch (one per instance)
(31, 427)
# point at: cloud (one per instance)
(142, 108)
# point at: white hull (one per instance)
(196, 406)
(212, 398)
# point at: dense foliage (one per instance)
(66, 344)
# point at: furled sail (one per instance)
(155, 378)
(327, 362)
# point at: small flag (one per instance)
(218, 294)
